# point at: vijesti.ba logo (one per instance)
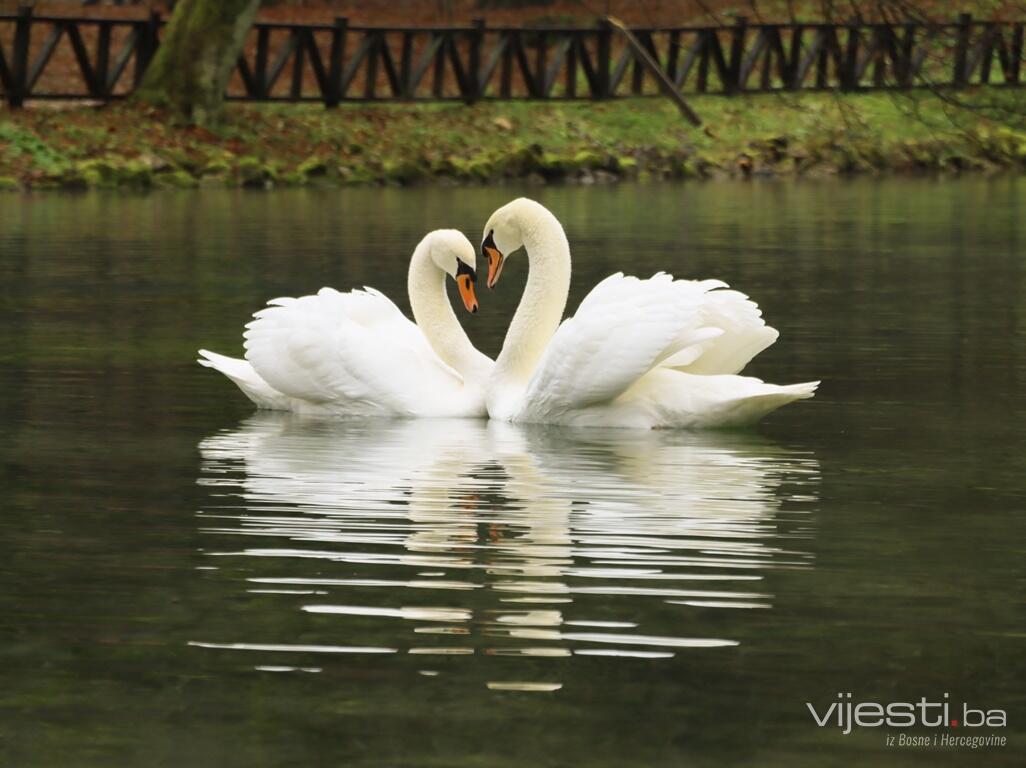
(847, 714)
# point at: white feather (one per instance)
(241, 372)
(351, 354)
(600, 366)
(620, 331)
(656, 353)
(355, 354)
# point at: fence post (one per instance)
(146, 44)
(602, 59)
(263, 35)
(737, 52)
(336, 56)
(908, 47)
(541, 64)
(849, 78)
(101, 69)
(19, 64)
(338, 49)
(474, 64)
(794, 62)
(1016, 55)
(960, 76)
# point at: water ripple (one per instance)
(598, 535)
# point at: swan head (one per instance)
(504, 233)
(453, 253)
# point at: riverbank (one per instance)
(125, 146)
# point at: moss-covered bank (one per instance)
(263, 147)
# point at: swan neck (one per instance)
(436, 319)
(541, 308)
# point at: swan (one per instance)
(654, 353)
(356, 355)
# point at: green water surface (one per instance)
(185, 583)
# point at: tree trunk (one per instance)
(197, 54)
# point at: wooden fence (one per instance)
(47, 57)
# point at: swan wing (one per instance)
(355, 351)
(733, 332)
(623, 328)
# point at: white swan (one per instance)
(356, 355)
(655, 353)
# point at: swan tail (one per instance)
(241, 372)
(747, 409)
(669, 399)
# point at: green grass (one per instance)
(550, 141)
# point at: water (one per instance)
(187, 583)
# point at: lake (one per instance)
(186, 582)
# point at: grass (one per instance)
(129, 146)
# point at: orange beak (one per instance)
(495, 262)
(466, 286)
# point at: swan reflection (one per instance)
(463, 537)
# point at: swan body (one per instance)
(356, 355)
(646, 353)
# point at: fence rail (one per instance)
(48, 57)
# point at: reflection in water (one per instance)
(574, 538)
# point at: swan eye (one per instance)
(462, 268)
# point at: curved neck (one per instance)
(434, 316)
(541, 307)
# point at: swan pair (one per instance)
(653, 353)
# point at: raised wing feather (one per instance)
(623, 328)
(741, 334)
(353, 350)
